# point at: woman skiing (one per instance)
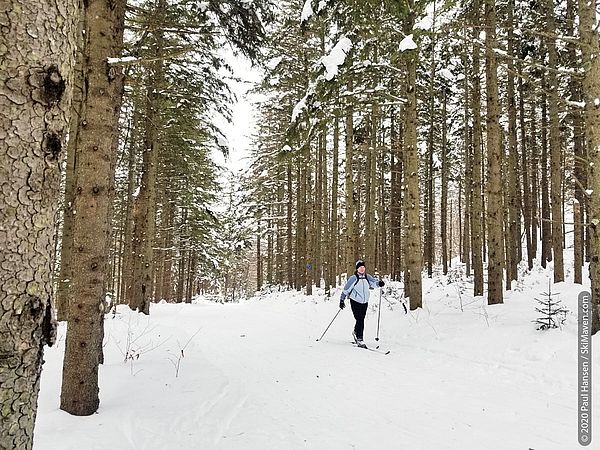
(357, 289)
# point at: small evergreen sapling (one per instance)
(553, 313)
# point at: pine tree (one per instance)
(94, 174)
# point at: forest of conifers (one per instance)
(420, 136)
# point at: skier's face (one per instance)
(361, 269)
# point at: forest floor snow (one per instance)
(460, 375)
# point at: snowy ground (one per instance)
(254, 377)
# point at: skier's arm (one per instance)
(372, 281)
(348, 287)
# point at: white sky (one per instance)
(243, 124)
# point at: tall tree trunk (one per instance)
(445, 177)
(259, 258)
(279, 241)
(396, 198)
(430, 195)
(535, 194)
(527, 208)
(494, 159)
(351, 250)
(546, 228)
(167, 276)
(468, 171)
(128, 258)
(577, 242)
(413, 201)
(590, 48)
(555, 147)
(371, 191)
(318, 210)
(97, 149)
(334, 232)
(63, 293)
(513, 195)
(270, 246)
(145, 208)
(477, 206)
(576, 118)
(36, 83)
(289, 224)
(309, 228)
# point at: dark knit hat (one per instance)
(359, 263)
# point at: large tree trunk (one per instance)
(309, 226)
(66, 249)
(590, 48)
(128, 257)
(96, 143)
(429, 238)
(535, 163)
(413, 233)
(494, 158)
(289, 223)
(396, 198)
(527, 203)
(555, 147)
(513, 243)
(351, 244)
(36, 81)
(579, 163)
(445, 176)
(468, 171)
(334, 232)
(546, 227)
(477, 204)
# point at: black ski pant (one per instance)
(360, 311)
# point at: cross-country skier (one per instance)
(357, 289)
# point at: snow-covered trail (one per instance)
(254, 377)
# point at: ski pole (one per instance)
(378, 315)
(334, 317)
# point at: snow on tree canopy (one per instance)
(407, 43)
(445, 73)
(300, 106)
(336, 58)
(424, 24)
(307, 11)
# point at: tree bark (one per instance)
(396, 198)
(546, 228)
(97, 140)
(494, 159)
(590, 48)
(63, 293)
(36, 82)
(477, 206)
(577, 243)
(513, 192)
(445, 176)
(413, 234)
(289, 221)
(526, 207)
(333, 236)
(351, 250)
(145, 204)
(555, 147)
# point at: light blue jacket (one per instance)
(359, 292)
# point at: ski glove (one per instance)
(342, 304)
(381, 283)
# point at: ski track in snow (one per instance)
(254, 377)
